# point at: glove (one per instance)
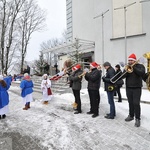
(145, 76)
(103, 78)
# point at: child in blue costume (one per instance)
(26, 86)
(8, 79)
(4, 98)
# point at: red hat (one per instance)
(73, 69)
(94, 64)
(78, 66)
(132, 57)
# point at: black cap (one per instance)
(117, 66)
(106, 64)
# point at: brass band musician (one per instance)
(133, 80)
(76, 86)
(109, 88)
(93, 77)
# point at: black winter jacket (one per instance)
(94, 79)
(134, 79)
(119, 82)
(110, 72)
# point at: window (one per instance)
(133, 18)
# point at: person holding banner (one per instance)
(46, 89)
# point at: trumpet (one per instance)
(83, 74)
(128, 69)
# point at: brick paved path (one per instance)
(55, 127)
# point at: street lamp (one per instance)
(125, 32)
(102, 15)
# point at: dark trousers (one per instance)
(94, 101)
(110, 95)
(134, 96)
(98, 98)
(76, 94)
(119, 93)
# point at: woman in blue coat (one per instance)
(4, 98)
(26, 86)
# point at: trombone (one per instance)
(128, 69)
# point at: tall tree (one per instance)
(3, 31)
(32, 19)
(8, 15)
(39, 64)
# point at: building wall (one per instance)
(133, 17)
(138, 25)
(82, 12)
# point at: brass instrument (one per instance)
(147, 55)
(81, 75)
(128, 69)
(111, 87)
(114, 79)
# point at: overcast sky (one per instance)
(56, 24)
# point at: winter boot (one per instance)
(120, 100)
(3, 116)
(129, 118)
(45, 102)
(28, 104)
(78, 112)
(137, 123)
(90, 112)
(74, 105)
(94, 115)
(26, 107)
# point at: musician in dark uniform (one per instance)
(109, 88)
(76, 86)
(134, 88)
(93, 78)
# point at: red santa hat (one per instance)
(73, 69)
(132, 57)
(94, 64)
(78, 66)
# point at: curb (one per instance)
(142, 101)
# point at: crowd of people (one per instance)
(133, 74)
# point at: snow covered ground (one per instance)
(57, 127)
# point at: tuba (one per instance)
(147, 55)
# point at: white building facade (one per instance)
(121, 28)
